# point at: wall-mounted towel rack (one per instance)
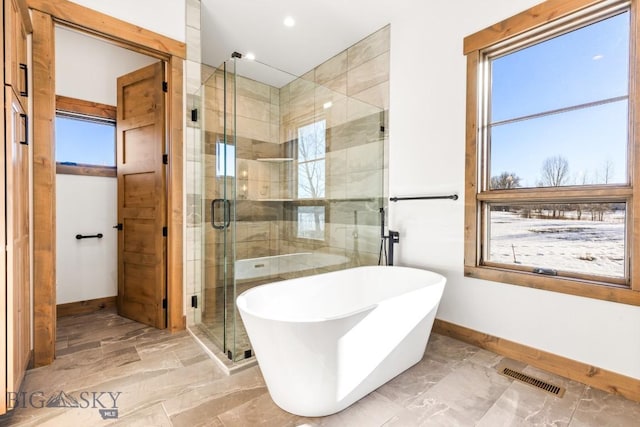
(397, 199)
(91, 236)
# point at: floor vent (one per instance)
(535, 382)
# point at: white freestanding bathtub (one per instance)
(325, 341)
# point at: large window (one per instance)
(550, 149)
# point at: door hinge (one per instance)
(165, 159)
(194, 301)
(164, 303)
(194, 115)
(165, 231)
(382, 129)
(118, 227)
(165, 87)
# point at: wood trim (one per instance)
(108, 26)
(592, 376)
(176, 319)
(44, 221)
(86, 170)
(525, 21)
(633, 236)
(87, 108)
(26, 18)
(471, 163)
(85, 307)
(44, 160)
(581, 194)
(571, 286)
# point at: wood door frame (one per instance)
(45, 14)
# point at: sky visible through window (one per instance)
(85, 142)
(587, 65)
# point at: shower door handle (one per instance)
(226, 216)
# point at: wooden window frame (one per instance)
(519, 28)
(89, 109)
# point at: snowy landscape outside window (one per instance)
(549, 129)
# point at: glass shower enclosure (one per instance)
(290, 183)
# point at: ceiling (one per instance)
(323, 29)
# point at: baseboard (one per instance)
(593, 376)
(84, 307)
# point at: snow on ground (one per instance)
(584, 246)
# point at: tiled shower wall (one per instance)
(350, 92)
(193, 166)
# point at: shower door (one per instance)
(218, 119)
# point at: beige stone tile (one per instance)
(468, 393)
(598, 408)
(210, 400)
(370, 47)
(260, 411)
(152, 416)
(193, 13)
(253, 108)
(377, 95)
(522, 404)
(372, 410)
(368, 74)
(193, 44)
(331, 69)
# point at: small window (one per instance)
(311, 222)
(85, 140)
(311, 157)
(225, 159)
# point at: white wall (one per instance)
(87, 67)
(427, 143)
(86, 269)
(164, 17)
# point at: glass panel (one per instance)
(584, 238)
(85, 141)
(311, 222)
(585, 65)
(586, 146)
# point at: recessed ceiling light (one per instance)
(250, 56)
(328, 104)
(289, 21)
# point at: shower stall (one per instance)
(287, 180)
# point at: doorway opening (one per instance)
(170, 55)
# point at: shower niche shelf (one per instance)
(275, 159)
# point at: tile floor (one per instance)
(154, 378)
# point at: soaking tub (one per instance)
(325, 341)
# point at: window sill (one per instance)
(87, 170)
(587, 289)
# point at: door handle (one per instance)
(226, 220)
(25, 120)
(25, 70)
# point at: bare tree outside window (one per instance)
(505, 181)
(311, 179)
(555, 171)
(311, 167)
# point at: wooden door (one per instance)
(141, 196)
(17, 235)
